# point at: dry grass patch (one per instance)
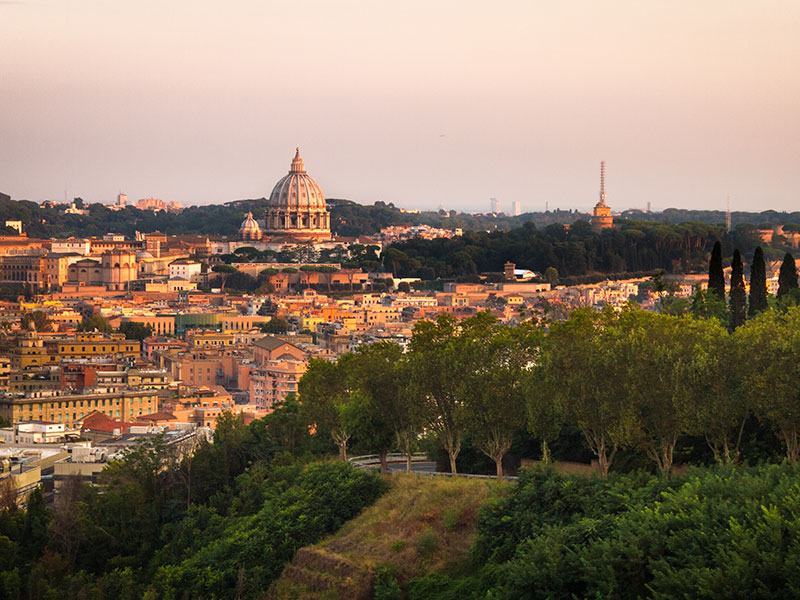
(421, 525)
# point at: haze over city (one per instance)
(415, 103)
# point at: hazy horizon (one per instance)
(418, 104)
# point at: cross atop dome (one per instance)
(297, 163)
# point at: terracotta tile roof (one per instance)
(97, 421)
(161, 415)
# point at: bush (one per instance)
(385, 586)
(721, 533)
(426, 544)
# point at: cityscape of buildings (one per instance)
(203, 350)
(325, 300)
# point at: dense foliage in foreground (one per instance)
(221, 524)
(721, 533)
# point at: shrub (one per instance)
(385, 586)
(426, 544)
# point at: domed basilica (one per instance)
(296, 207)
(250, 229)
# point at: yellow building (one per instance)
(69, 409)
(89, 345)
(309, 322)
(5, 371)
(217, 339)
(140, 379)
(380, 315)
(34, 350)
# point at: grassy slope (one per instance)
(422, 525)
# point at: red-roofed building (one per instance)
(98, 426)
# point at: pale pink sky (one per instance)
(413, 102)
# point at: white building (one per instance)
(17, 225)
(71, 246)
(36, 432)
(184, 269)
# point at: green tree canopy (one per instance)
(379, 411)
(37, 320)
(738, 296)
(135, 331)
(758, 284)
(325, 396)
(96, 322)
(277, 325)
(787, 277)
(436, 368)
(588, 379)
(716, 277)
(499, 359)
(768, 362)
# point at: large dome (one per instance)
(296, 207)
(297, 190)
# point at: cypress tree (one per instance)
(716, 279)
(758, 284)
(787, 278)
(738, 297)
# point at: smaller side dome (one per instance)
(249, 229)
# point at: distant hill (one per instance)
(347, 218)
(714, 217)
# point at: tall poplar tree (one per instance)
(716, 278)
(758, 284)
(738, 297)
(787, 278)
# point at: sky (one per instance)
(421, 102)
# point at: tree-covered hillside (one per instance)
(635, 246)
(714, 217)
(347, 218)
(161, 524)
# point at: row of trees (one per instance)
(636, 246)
(447, 383)
(740, 305)
(626, 380)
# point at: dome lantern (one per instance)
(297, 163)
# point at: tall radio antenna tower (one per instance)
(602, 182)
(728, 214)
